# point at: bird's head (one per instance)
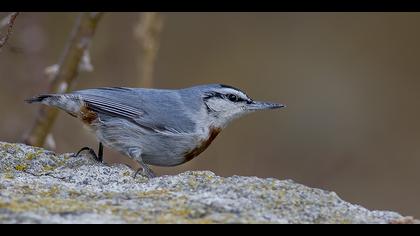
(225, 103)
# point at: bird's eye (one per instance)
(233, 98)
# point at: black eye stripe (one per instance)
(231, 97)
(213, 95)
(236, 98)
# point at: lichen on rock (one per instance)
(39, 186)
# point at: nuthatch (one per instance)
(156, 126)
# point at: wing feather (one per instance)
(107, 101)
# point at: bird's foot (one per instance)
(98, 157)
(145, 171)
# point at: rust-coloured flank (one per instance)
(87, 115)
(203, 145)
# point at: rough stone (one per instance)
(39, 186)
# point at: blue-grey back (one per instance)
(157, 109)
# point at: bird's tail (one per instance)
(40, 98)
(67, 102)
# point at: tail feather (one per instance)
(39, 98)
(70, 104)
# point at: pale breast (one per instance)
(202, 145)
(181, 150)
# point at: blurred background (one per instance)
(350, 81)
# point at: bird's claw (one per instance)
(145, 171)
(98, 157)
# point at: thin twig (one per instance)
(9, 21)
(147, 33)
(67, 71)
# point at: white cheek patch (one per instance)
(224, 111)
(221, 105)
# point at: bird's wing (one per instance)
(126, 104)
(107, 106)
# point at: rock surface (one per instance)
(38, 186)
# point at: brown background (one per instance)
(350, 80)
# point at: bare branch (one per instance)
(9, 21)
(84, 65)
(50, 142)
(147, 33)
(64, 73)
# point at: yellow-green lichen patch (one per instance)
(277, 202)
(32, 155)
(73, 194)
(141, 179)
(52, 205)
(15, 206)
(52, 192)
(9, 147)
(158, 193)
(181, 211)
(169, 219)
(108, 195)
(25, 189)
(47, 168)
(64, 205)
(128, 215)
(182, 216)
(61, 163)
(21, 167)
(8, 175)
(192, 183)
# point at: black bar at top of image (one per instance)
(208, 6)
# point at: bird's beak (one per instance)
(256, 105)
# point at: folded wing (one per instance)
(126, 103)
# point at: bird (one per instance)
(158, 127)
